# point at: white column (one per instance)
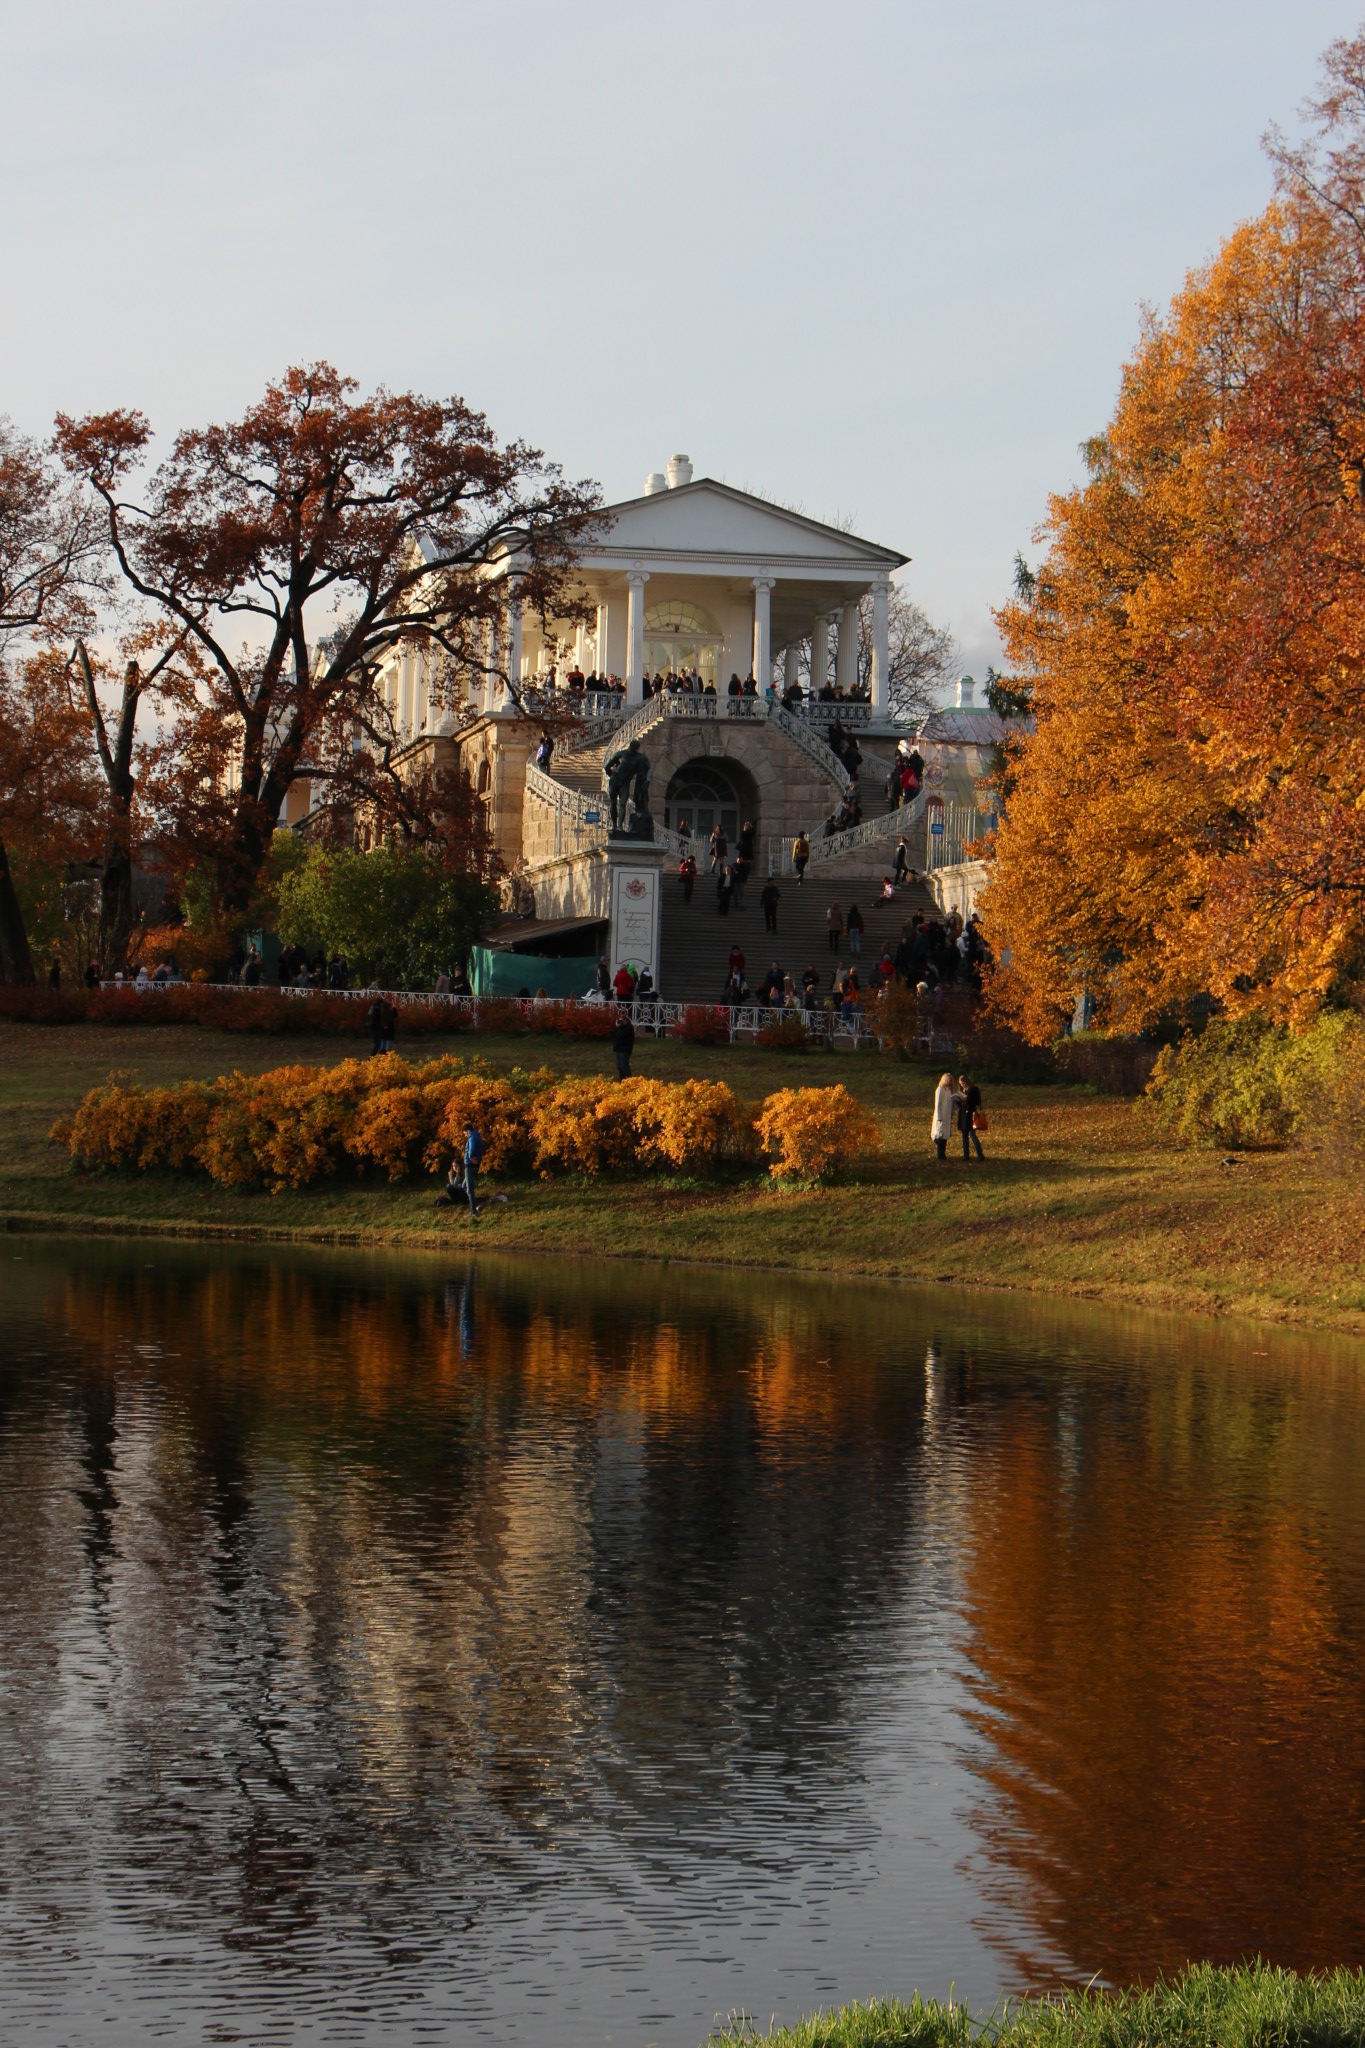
(846, 659)
(789, 668)
(580, 645)
(763, 651)
(599, 660)
(513, 640)
(485, 695)
(636, 580)
(819, 653)
(881, 650)
(407, 721)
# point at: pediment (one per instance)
(710, 518)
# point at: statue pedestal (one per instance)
(635, 900)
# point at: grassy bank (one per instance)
(1079, 1195)
(1252, 2007)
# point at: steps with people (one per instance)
(695, 940)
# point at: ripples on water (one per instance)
(391, 1654)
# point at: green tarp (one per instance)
(507, 974)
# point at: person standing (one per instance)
(900, 864)
(941, 1123)
(687, 870)
(473, 1156)
(968, 1110)
(723, 892)
(719, 845)
(769, 900)
(834, 926)
(855, 930)
(623, 1044)
(800, 856)
(739, 875)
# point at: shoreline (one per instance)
(1081, 1200)
(433, 1243)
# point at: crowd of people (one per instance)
(931, 956)
(689, 682)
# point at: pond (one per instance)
(396, 1650)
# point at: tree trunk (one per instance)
(116, 905)
(16, 961)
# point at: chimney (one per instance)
(655, 482)
(966, 693)
(679, 471)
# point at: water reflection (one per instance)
(388, 1648)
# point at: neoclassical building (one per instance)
(693, 577)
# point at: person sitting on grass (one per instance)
(453, 1192)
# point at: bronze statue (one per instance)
(628, 773)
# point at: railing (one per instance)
(574, 831)
(872, 832)
(841, 712)
(962, 824)
(827, 1027)
(717, 710)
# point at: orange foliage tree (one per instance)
(324, 529)
(1187, 815)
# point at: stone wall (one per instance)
(958, 887)
(791, 792)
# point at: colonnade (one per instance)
(406, 686)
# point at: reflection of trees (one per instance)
(1164, 1632)
(419, 1582)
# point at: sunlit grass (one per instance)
(1251, 2007)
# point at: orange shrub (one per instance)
(582, 1127)
(814, 1132)
(703, 1024)
(700, 1125)
(120, 1127)
(397, 1128)
(500, 1114)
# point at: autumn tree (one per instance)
(295, 549)
(1186, 817)
(45, 575)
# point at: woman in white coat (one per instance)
(945, 1106)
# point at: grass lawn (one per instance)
(1250, 2007)
(1078, 1195)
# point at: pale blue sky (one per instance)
(881, 260)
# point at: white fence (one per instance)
(737, 1022)
(962, 825)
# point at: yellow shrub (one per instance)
(397, 1127)
(577, 1127)
(121, 1126)
(814, 1132)
(500, 1114)
(699, 1125)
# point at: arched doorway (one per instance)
(702, 795)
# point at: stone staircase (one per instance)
(695, 940)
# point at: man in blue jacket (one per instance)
(473, 1154)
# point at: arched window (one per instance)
(679, 638)
(703, 796)
(485, 777)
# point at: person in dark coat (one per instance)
(768, 900)
(968, 1104)
(623, 1044)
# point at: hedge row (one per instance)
(298, 1124)
(318, 1015)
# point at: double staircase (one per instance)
(846, 869)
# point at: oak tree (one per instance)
(294, 549)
